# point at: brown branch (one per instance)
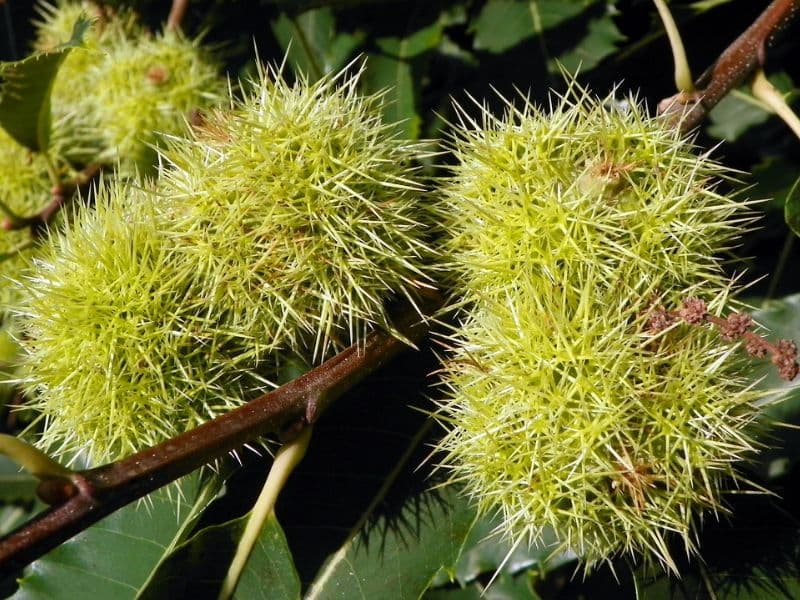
(732, 68)
(177, 13)
(93, 494)
(39, 222)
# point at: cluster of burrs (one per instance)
(563, 409)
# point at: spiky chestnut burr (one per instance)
(121, 350)
(303, 210)
(115, 97)
(76, 129)
(565, 409)
(24, 188)
(148, 87)
(279, 224)
(56, 20)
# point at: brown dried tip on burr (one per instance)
(693, 311)
(785, 358)
(196, 117)
(735, 326)
(157, 75)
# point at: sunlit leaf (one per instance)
(414, 44)
(393, 77)
(391, 71)
(25, 87)
(792, 210)
(485, 553)
(502, 24)
(600, 41)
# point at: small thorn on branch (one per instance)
(735, 326)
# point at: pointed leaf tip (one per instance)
(25, 87)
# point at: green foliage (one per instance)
(312, 43)
(504, 23)
(116, 558)
(739, 111)
(391, 73)
(25, 88)
(486, 553)
(269, 573)
(792, 208)
(781, 318)
(15, 485)
(403, 555)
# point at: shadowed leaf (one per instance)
(25, 91)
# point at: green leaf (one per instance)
(390, 72)
(116, 557)
(403, 555)
(200, 564)
(781, 319)
(701, 6)
(414, 44)
(734, 115)
(502, 24)
(25, 91)
(393, 77)
(600, 41)
(485, 553)
(16, 485)
(313, 45)
(270, 572)
(792, 208)
(773, 178)
(739, 110)
(14, 514)
(505, 587)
